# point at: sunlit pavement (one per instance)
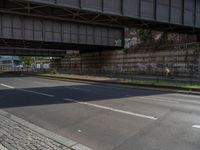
(105, 117)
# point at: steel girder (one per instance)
(163, 15)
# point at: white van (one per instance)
(10, 62)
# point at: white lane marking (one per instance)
(7, 86)
(41, 83)
(29, 91)
(38, 93)
(112, 109)
(2, 147)
(196, 126)
(159, 100)
(79, 89)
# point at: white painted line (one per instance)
(112, 109)
(38, 93)
(7, 86)
(34, 92)
(196, 126)
(79, 89)
(2, 147)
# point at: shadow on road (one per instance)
(83, 92)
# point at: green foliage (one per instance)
(26, 59)
(143, 34)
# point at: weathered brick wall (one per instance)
(182, 62)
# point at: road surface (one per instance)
(105, 117)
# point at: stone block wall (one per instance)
(184, 62)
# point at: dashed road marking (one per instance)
(2, 147)
(112, 109)
(29, 91)
(38, 93)
(7, 86)
(196, 126)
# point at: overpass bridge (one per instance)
(88, 25)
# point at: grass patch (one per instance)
(164, 83)
(61, 75)
(153, 83)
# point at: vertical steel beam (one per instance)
(140, 7)
(155, 9)
(12, 26)
(61, 32)
(80, 3)
(102, 5)
(122, 7)
(170, 11)
(195, 13)
(43, 34)
(33, 24)
(183, 12)
(1, 26)
(23, 27)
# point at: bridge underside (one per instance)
(51, 27)
(15, 51)
(164, 15)
(35, 48)
(28, 32)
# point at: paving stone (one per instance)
(14, 136)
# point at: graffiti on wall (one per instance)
(128, 42)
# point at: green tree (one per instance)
(26, 59)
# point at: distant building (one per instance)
(10, 62)
(42, 63)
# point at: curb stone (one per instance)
(57, 138)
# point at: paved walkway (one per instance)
(17, 134)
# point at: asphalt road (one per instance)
(105, 117)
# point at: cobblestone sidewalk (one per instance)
(17, 134)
